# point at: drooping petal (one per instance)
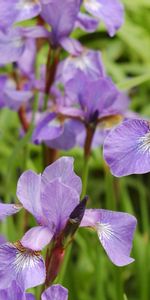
(115, 231)
(58, 201)
(19, 11)
(127, 148)
(109, 11)
(37, 238)
(14, 99)
(8, 210)
(28, 192)
(67, 139)
(63, 170)
(86, 22)
(56, 291)
(47, 129)
(71, 45)
(22, 265)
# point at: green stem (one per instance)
(85, 176)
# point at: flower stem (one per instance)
(90, 130)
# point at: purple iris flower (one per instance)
(111, 12)
(20, 10)
(91, 96)
(61, 16)
(127, 148)
(85, 101)
(22, 262)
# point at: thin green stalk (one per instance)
(85, 176)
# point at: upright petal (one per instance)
(127, 148)
(61, 16)
(8, 210)
(115, 231)
(109, 11)
(23, 265)
(28, 192)
(62, 169)
(55, 292)
(58, 201)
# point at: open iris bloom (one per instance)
(53, 199)
(127, 148)
(86, 102)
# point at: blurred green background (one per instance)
(87, 271)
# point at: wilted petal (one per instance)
(37, 238)
(115, 231)
(22, 265)
(8, 210)
(56, 291)
(127, 148)
(109, 11)
(63, 170)
(58, 201)
(28, 192)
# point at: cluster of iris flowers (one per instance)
(79, 105)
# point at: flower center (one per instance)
(144, 142)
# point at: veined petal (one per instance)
(8, 209)
(115, 231)
(127, 148)
(13, 292)
(23, 265)
(56, 291)
(58, 201)
(28, 192)
(37, 238)
(63, 170)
